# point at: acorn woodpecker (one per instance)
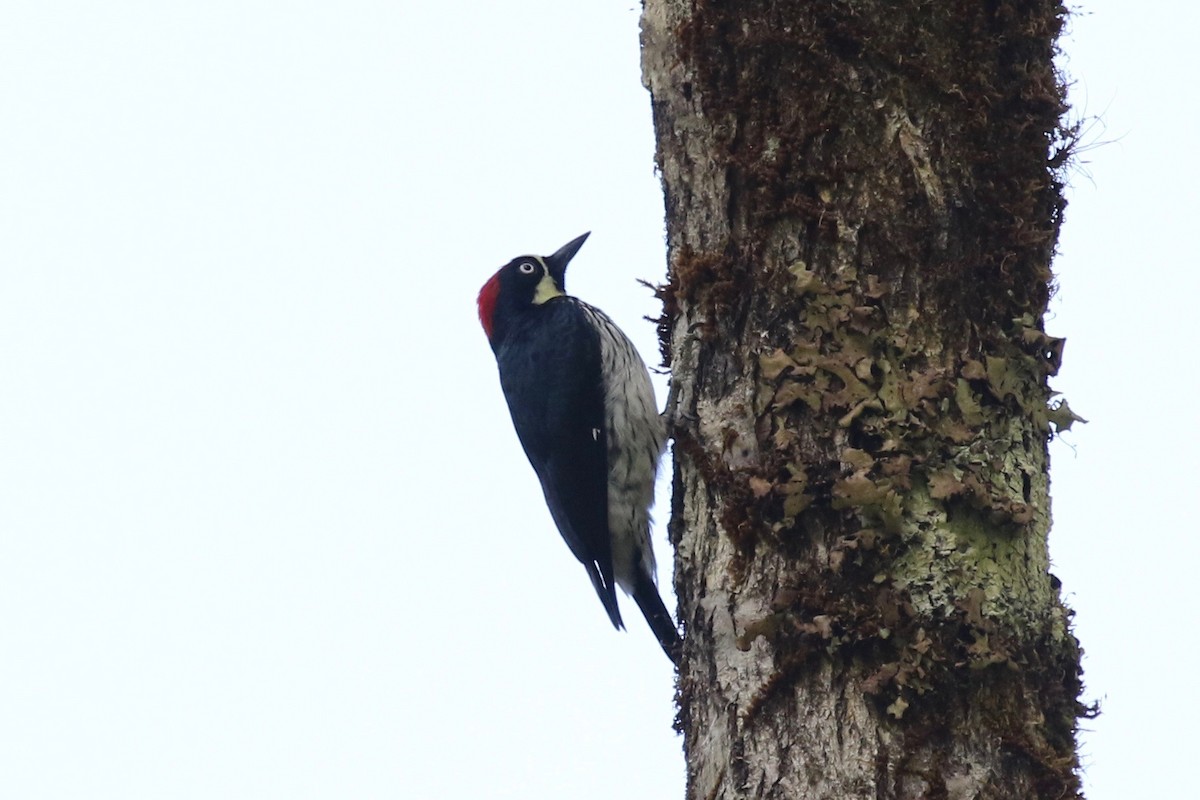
(584, 410)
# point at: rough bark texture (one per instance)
(862, 206)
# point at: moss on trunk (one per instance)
(862, 205)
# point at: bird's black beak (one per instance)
(557, 263)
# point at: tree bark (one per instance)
(862, 204)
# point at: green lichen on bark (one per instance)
(938, 496)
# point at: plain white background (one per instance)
(265, 530)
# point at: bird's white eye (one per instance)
(527, 268)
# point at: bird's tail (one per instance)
(607, 593)
(645, 594)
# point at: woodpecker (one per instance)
(583, 407)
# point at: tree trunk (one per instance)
(862, 204)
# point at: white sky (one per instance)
(265, 530)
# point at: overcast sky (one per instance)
(265, 529)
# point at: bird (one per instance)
(584, 411)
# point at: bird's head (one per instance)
(524, 282)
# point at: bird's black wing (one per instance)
(549, 370)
